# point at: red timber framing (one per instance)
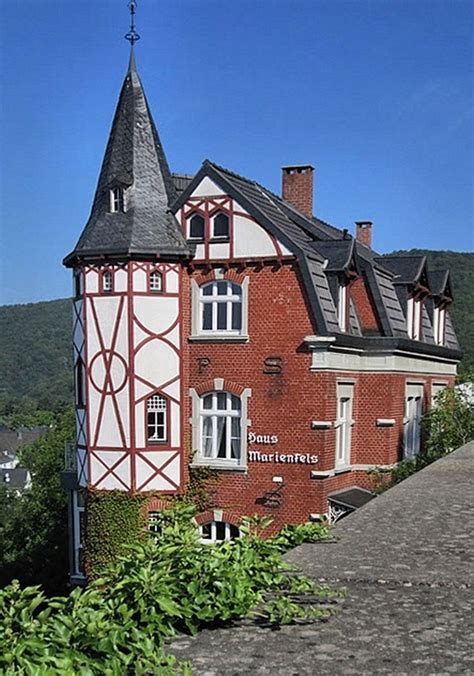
(119, 324)
(208, 207)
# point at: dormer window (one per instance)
(439, 324)
(220, 226)
(156, 281)
(414, 306)
(117, 200)
(196, 227)
(342, 307)
(107, 282)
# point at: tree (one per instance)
(33, 527)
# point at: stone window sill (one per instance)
(218, 338)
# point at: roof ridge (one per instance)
(272, 194)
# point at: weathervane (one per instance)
(132, 35)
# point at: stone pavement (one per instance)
(406, 560)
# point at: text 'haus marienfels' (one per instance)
(220, 325)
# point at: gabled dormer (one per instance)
(438, 306)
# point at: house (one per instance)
(219, 325)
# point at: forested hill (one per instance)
(36, 352)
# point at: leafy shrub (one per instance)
(168, 583)
(448, 425)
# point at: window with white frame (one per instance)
(342, 306)
(78, 510)
(220, 226)
(343, 423)
(196, 227)
(107, 281)
(221, 307)
(414, 307)
(156, 407)
(437, 388)
(439, 324)
(117, 200)
(156, 281)
(412, 420)
(218, 531)
(221, 427)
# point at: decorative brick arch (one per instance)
(220, 385)
(218, 515)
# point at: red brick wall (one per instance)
(365, 310)
(297, 187)
(284, 405)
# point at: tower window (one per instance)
(156, 418)
(117, 200)
(107, 281)
(196, 227)
(220, 226)
(156, 281)
(77, 283)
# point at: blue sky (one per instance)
(376, 94)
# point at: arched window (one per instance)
(196, 227)
(117, 200)
(221, 307)
(107, 281)
(218, 531)
(157, 423)
(156, 281)
(220, 226)
(221, 426)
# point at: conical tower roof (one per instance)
(135, 162)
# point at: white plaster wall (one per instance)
(220, 250)
(172, 281)
(120, 280)
(207, 188)
(250, 239)
(140, 424)
(139, 280)
(156, 313)
(92, 281)
(157, 362)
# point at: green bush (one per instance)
(170, 582)
(448, 425)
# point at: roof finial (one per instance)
(132, 35)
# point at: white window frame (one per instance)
(436, 388)
(214, 539)
(77, 535)
(342, 306)
(107, 281)
(414, 307)
(198, 301)
(197, 422)
(344, 423)
(213, 232)
(439, 324)
(202, 237)
(117, 200)
(161, 407)
(156, 281)
(412, 420)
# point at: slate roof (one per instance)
(438, 281)
(15, 478)
(407, 269)
(134, 160)
(322, 252)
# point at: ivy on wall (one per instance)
(113, 519)
(117, 518)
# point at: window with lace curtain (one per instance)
(221, 437)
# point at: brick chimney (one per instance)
(364, 232)
(297, 187)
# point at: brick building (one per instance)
(217, 324)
